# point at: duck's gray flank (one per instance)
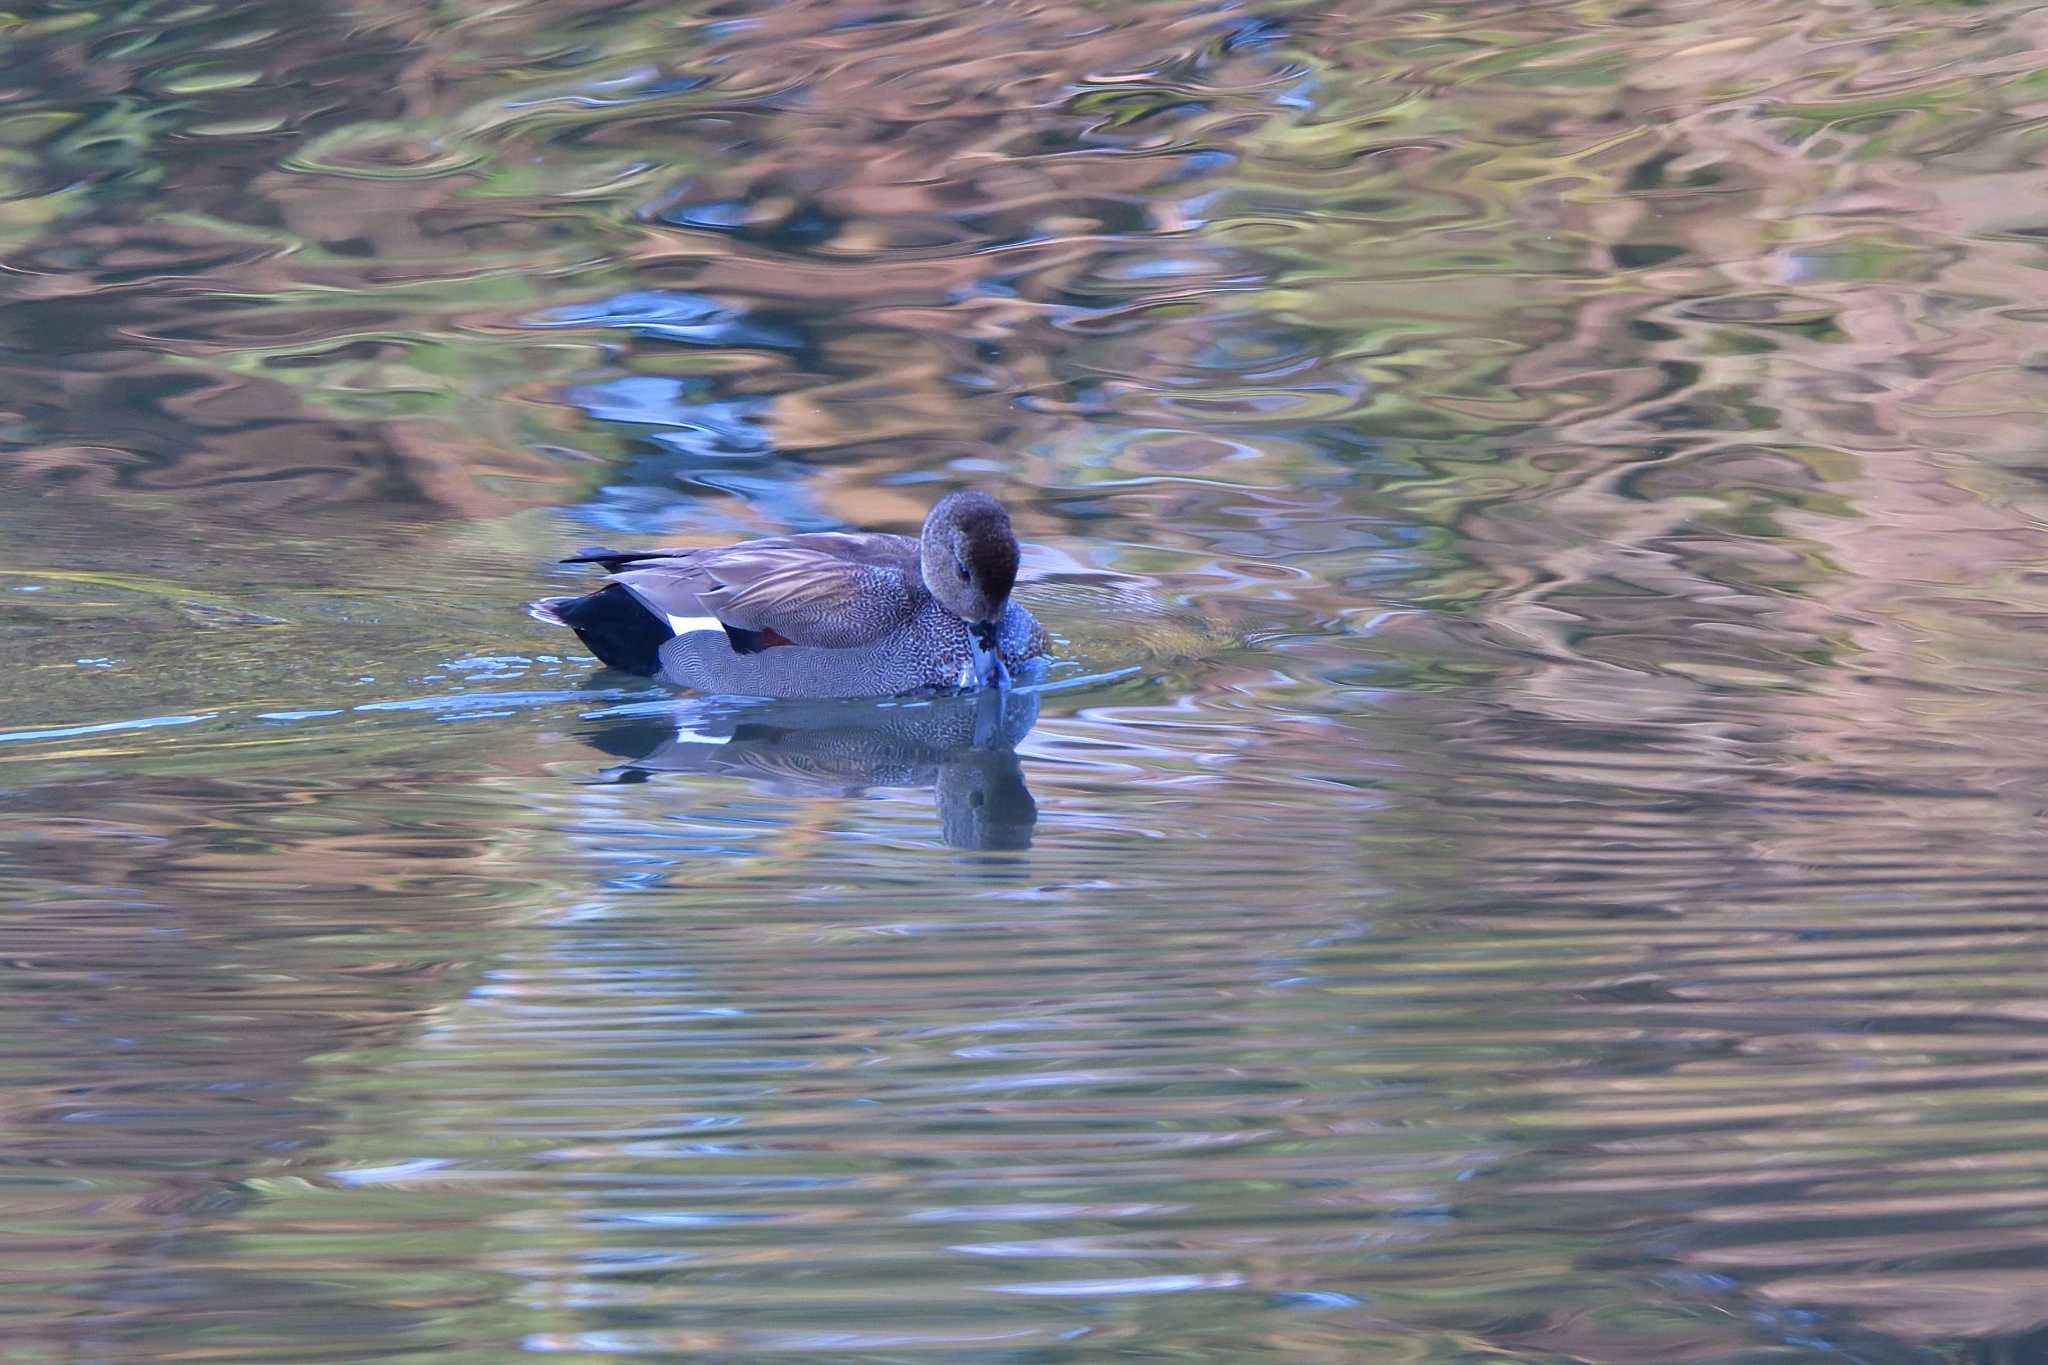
(832, 614)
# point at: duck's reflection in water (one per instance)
(963, 748)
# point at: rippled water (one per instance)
(1532, 851)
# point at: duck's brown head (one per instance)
(968, 556)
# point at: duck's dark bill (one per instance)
(989, 667)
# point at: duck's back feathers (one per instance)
(831, 590)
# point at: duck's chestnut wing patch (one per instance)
(746, 641)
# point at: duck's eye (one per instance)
(961, 569)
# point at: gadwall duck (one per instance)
(833, 614)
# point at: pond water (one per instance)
(1532, 850)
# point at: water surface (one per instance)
(1532, 851)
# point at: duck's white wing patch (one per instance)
(684, 625)
(686, 733)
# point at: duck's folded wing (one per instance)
(830, 591)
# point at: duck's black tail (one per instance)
(613, 625)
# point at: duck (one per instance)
(829, 614)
